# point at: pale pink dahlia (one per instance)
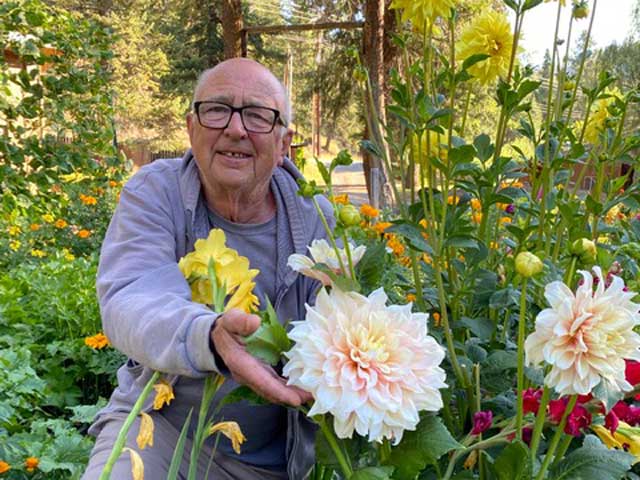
(587, 336)
(372, 366)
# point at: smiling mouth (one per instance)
(238, 155)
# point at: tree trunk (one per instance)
(316, 119)
(373, 56)
(231, 19)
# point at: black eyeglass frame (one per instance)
(276, 119)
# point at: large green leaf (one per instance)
(513, 463)
(421, 447)
(270, 340)
(588, 463)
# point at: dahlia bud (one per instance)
(585, 250)
(349, 216)
(580, 10)
(528, 265)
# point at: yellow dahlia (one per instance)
(231, 269)
(489, 34)
(585, 337)
(599, 117)
(423, 12)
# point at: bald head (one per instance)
(245, 68)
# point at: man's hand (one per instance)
(227, 337)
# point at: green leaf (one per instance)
(369, 268)
(529, 4)
(462, 154)
(473, 59)
(326, 176)
(484, 147)
(424, 446)
(343, 283)
(270, 340)
(587, 463)
(513, 463)
(481, 327)
(372, 473)
(176, 459)
(608, 394)
(412, 235)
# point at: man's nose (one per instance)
(235, 127)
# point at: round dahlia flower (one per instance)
(372, 366)
(586, 336)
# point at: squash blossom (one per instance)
(232, 271)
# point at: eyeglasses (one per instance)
(218, 115)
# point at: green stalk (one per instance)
(333, 443)
(121, 439)
(466, 111)
(564, 446)
(521, 333)
(556, 438)
(539, 423)
(332, 240)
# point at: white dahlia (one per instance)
(323, 253)
(586, 336)
(372, 366)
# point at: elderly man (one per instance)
(235, 177)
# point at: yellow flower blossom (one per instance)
(493, 245)
(60, 223)
(368, 211)
(164, 394)
(47, 218)
(137, 465)
(504, 220)
(232, 271)
(436, 147)
(341, 199)
(597, 123)
(145, 434)
(232, 431)
(14, 230)
(97, 341)
(68, 255)
(626, 438)
(427, 259)
(4, 467)
(489, 34)
(31, 464)
(423, 12)
(15, 245)
(38, 253)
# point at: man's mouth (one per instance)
(234, 154)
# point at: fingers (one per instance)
(237, 322)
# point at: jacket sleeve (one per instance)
(145, 301)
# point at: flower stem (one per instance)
(539, 424)
(332, 240)
(121, 439)
(556, 438)
(333, 443)
(521, 333)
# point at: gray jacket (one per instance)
(145, 301)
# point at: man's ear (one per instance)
(285, 145)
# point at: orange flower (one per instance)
(493, 245)
(476, 217)
(34, 227)
(410, 297)
(99, 191)
(369, 211)
(88, 199)
(436, 319)
(4, 467)
(427, 259)
(453, 200)
(97, 342)
(31, 463)
(504, 220)
(394, 243)
(476, 204)
(341, 199)
(380, 227)
(113, 183)
(84, 234)
(60, 223)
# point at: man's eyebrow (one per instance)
(224, 98)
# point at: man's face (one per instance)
(232, 160)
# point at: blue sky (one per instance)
(612, 24)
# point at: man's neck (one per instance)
(258, 207)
